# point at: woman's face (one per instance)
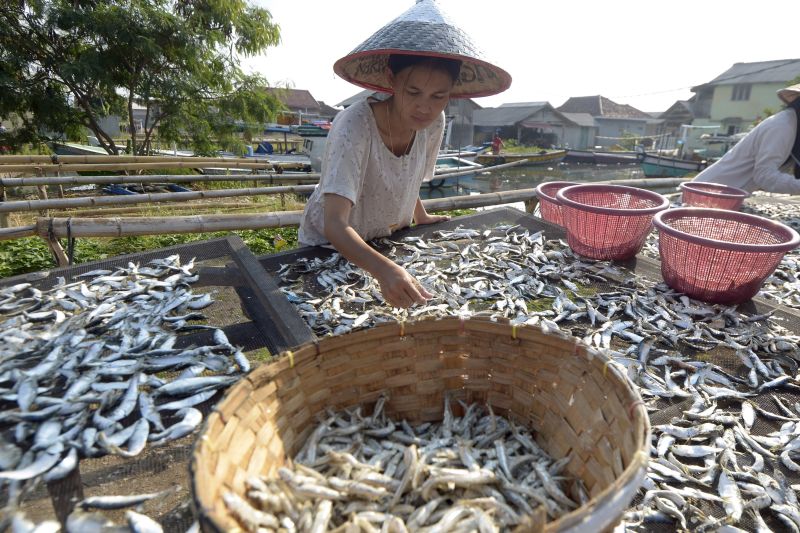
(421, 94)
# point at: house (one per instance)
(737, 98)
(534, 124)
(670, 126)
(615, 122)
(459, 114)
(302, 107)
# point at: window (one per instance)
(741, 92)
(732, 129)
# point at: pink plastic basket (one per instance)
(720, 256)
(608, 221)
(548, 204)
(715, 195)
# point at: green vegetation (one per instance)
(511, 146)
(64, 66)
(31, 254)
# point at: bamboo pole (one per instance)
(74, 159)
(17, 232)
(139, 166)
(155, 178)
(133, 210)
(125, 226)
(94, 201)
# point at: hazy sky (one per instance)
(643, 53)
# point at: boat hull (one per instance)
(656, 166)
(601, 158)
(547, 158)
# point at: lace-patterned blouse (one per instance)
(357, 165)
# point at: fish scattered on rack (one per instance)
(668, 344)
(90, 367)
(473, 472)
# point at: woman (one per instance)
(378, 152)
(767, 158)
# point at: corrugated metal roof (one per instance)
(524, 104)
(777, 71)
(581, 119)
(505, 115)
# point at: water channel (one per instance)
(516, 178)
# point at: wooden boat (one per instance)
(655, 166)
(593, 157)
(540, 158)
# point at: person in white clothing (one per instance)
(379, 151)
(768, 157)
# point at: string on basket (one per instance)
(633, 406)
(290, 355)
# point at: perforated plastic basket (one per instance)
(714, 195)
(720, 256)
(608, 221)
(548, 204)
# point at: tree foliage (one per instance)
(66, 64)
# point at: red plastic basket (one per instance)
(720, 256)
(715, 195)
(608, 221)
(549, 207)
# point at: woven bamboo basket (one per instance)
(577, 403)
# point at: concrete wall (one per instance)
(610, 130)
(742, 113)
(578, 137)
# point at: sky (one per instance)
(647, 54)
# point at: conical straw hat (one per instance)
(422, 30)
(789, 94)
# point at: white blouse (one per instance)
(756, 162)
(357, 165)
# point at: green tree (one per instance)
(65, 64)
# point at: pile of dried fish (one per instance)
(708, 368)
(83, 366)
(475, 472)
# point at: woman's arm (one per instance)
(398, 287)
(774, 146)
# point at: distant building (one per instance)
(733, 101)
(615, 122)
(459, 115)
(535, 124)
(302, 107)
(672, 123)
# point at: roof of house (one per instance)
(325, 109)
(295, 98)
(777, 71)
(524, 104)
(601, 107)
(581, 119)
(361, 95)
(680, 107)
(506, 115)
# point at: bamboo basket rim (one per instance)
(631, 476)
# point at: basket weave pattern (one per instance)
(549, 206)
(730, 268)
(608, 222)
(700, 194)
(579, 405)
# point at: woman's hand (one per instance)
(399, 288)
